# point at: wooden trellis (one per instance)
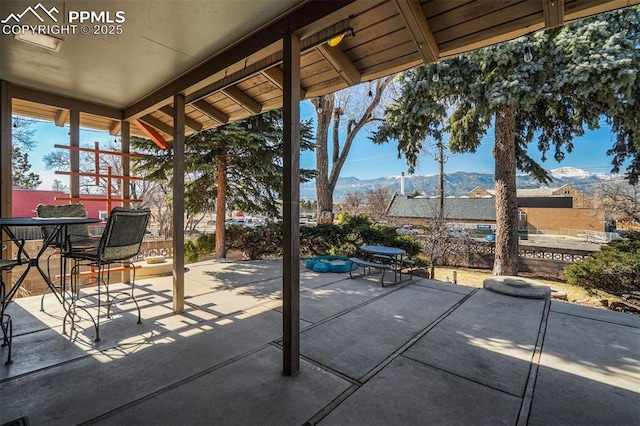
(97, 175)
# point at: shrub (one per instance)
(255, 242)
(324, 238)
(355, 231)
(615, 268)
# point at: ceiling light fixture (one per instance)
(528, 54)
(337, 39)
(40, 40)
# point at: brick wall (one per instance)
(558, 218)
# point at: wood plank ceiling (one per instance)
(387, 36)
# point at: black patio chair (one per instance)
(6, 323)
(79, 234)
(119, 244)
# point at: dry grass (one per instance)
(475, 277)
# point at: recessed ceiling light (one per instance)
(40, 40)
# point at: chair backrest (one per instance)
(123, 234)
(75, 232)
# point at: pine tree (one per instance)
(23, 141)
(235, 166)
(548, 87)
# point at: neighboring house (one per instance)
(25, 201)
(414, 211)
(565, 210)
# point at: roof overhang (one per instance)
(225, 56)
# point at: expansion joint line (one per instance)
(357, 384)
(525, 408)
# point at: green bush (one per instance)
(190, 251)
(615, 268)
(346, 238)
(255, 242)
(200, 246)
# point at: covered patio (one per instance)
(422, 352)
(176, 70)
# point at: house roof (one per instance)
(460, 209)
(225, 57)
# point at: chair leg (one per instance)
(6, 324)
(128, 296)
(7, 335)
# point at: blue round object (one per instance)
(311, 263)
(322, 267)
(340, 266)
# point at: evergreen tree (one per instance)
(22, 142)
(237, 166)
(548, 86)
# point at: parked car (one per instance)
(407, 230)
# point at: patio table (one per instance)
(394, 254)
(59, 230)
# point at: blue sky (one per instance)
(366, 160)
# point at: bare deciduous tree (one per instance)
(346, 112)
(620, 201)
(354, 202)
(377, 202)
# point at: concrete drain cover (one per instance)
(517, 286)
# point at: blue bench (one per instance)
(407, 263)
(366, 264)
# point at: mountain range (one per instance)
(459, 184)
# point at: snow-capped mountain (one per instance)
(459, 184)
(574, 172)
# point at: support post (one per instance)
(6, 153)
(125, 191)
(125, 143)
(74, 154)
(5, 148)
(291, 205)
(178, 202)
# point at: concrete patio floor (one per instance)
(418, 353)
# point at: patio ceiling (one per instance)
(225, 56)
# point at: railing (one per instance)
(535, 252)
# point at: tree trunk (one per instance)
(221, 207)
(324, 192)
(506, 258)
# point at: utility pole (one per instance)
(441, 160)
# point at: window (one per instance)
(522, 215)
(102, 214)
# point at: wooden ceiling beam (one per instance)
(310, 12)
(158, 124)
(210, 111)
(553, 13)
(413, 15)
(61, 117)
(63, 102)
(276, 77)
(189, 122)
(341, 63)
(152, 134)
(242, 99)
(115, 127)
